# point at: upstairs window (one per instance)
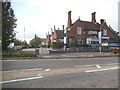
(92, 32)
(78, 30)
(105, 32)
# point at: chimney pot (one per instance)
(102, 21)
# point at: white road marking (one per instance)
(24, 70)
(39, 75)
(79, 66)
(58, 59)
(101, 70)
(95, 65)
(112, 63)
(47, 70)
(24, 79)
(101, 58)
(98, 66)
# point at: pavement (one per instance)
(75, 55)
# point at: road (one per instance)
(61, 73)
(53, 63)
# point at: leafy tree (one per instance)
(38, 42)
(8, 25)
(20, 43)
(17, 42)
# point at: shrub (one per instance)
(74, 44)
(14, 53)
(57, 45)
(116, 52)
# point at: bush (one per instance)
(116, 52)
(14, 53)
(57, 45)
(74, 44)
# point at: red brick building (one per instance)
(88, 32)
(85, 32)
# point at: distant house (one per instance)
(43, 41)
(56, 35)
(39, 41)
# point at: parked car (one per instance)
(15, 47)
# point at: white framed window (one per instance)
(105, 32)
(78, 30)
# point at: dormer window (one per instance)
(105, 32)
(78, 30)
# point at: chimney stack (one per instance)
(51, 30)
(63, 27)
(54, 28)
(93, 17)
(102, 21)
(69, 20)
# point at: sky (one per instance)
(39, 16)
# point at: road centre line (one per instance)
(94, 65)
(47, 70)
(98, 66)
(90, 71)
(24, 70)
(24, 79)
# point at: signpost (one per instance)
(100, 41)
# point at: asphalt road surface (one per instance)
(54, 63)
(61, 73)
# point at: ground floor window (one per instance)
(79, 42)
(94, 42)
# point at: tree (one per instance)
(8, 25)
(17, 42)
(20, 43)
(38, 42)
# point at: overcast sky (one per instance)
(39, 16)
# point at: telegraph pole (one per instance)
(24, 34)
(35, 43)
(24, 38)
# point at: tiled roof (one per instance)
(88, 25)
(60, 34)
(43, 39)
